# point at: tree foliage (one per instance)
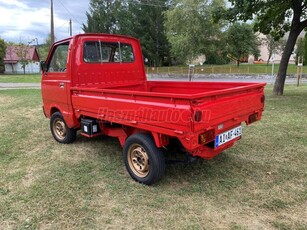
(275, 17)
(273, 46)
(242, 41)
(43, 49)
(22, 52)
(102, 16)
(190, 28)
(300, 50)
(148, 26)
(138, 18)
(2, 54)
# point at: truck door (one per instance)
(55, 81)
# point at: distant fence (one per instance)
(223, 69)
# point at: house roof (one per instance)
(12, 57)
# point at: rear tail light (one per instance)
(198, 115)
(206, 137)
(252, 118)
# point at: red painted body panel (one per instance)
(118, 93)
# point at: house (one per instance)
(19, 56)
(264, 52)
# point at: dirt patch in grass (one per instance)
(5, 100)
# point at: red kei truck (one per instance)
(96, 83)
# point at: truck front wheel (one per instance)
(144, 161)
(60, 131)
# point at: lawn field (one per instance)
(260, 183)
(20, 78)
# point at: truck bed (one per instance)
(188, 90)
(170, 105)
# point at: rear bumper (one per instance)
(208, 153)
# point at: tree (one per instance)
(138, 18)
(217, 53)
(190, 28)
(149, 28)
(273, 46)
(300, 50)
(274, 17)
(22, 52)
(44, 48)
(2, 54)
(305, 52)
(242, 41)
(102, 16)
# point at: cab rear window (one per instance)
(107, 52)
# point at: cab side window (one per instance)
(58, 60)
(107, 52)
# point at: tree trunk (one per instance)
(282, 71)
(268, 61)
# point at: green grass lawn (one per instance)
(20, 78)
(260, 183)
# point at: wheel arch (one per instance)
(159, 138)
(53, 110)
(69, 117)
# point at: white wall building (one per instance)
(264, 53)
(14, 55)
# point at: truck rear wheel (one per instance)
(60, 131)
(144, 161)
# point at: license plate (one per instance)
(228, 136)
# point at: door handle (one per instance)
(61, 85)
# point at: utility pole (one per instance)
(70, 27)
(52, 24)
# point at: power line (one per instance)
(69, 12)
(58, 27)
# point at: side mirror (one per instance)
(43, 66)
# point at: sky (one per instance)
(29, 20)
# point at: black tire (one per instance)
(60, 131)
(143, 160)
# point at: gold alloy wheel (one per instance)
(59, 129)
(138, 160)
